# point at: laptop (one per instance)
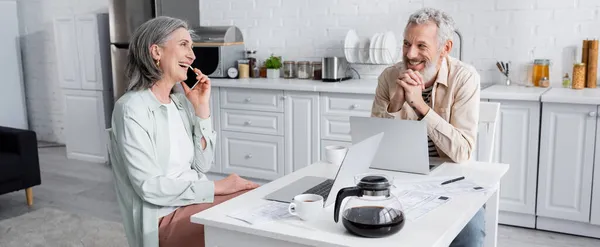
(357, 161)
(404, 147)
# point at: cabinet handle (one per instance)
(283, 97)
(248, 100)
(354, 106)
(248, 123)
(592, 114)
(248, 156)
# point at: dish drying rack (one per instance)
(372, 56)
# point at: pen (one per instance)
(453, 180)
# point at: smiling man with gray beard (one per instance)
(429, 85)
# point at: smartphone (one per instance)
(191, 81)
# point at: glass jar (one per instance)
(304, 70)
(289, 69)
(541, 69)
(578, 81)
(317, 71)
(243, 69)
(252, 63)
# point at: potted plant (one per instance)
(273, 65)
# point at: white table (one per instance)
(437, 228)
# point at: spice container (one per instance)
(541, 69)
(317, 71)
(578, 76)
(544, 82)
(304, 70)
(253, 64)
(289, 69)
(263, 72)
(243, 69)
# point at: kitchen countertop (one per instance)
(514, 92)
(572, 96)
(358, 86)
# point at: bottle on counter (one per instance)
(566, 83)
(252, 64)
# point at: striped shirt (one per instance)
(427, 97)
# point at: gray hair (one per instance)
(444, 22)
(141, 69)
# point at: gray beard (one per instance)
(430, 70)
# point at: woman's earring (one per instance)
(157, 63)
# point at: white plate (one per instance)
(364, 50)
(389, 52)
(379, 49)
(372, 50)
(350, 44)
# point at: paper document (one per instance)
(265, 212)
(416, 203)
(435, 187)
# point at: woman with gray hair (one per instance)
(162, 143)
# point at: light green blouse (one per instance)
(139, 153)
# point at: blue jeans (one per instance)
(473, 234)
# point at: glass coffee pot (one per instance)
(371, 211)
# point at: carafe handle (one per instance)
(343, 193)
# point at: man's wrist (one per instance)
(421, 109)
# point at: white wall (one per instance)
(515, 30)
(492, 29)
(44, 97)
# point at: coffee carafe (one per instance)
(371, 211)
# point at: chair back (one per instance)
(489, 114)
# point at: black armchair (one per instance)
(19, 162)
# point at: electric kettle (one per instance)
(371, 211)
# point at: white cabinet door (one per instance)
(85, 125)
(214, 115)
(516, 143)
(301, 129)
(12, 95)
(86, 30)
(252, 155)
(566, 161)
(67, 54)
(595, 214)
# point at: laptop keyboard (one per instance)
(321, 189)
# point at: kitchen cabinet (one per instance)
(301, 129)
(267, 133)
(568, 167)
(84, 124)
(83, 63)
(252, 155)
(82, 52)
(566, 161)
(595, 214)
(516, 143)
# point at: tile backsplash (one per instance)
(506, 30)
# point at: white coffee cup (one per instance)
(306, 206)
(335, 154)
